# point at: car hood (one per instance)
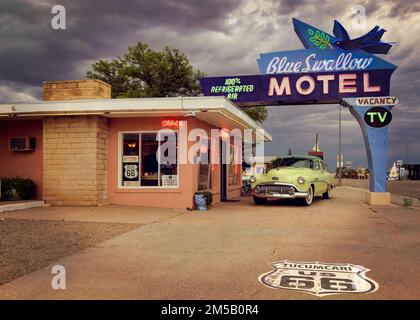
(286, 174)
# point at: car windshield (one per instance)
(293, 162)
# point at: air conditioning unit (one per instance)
(22, 143)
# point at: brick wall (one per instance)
(102, 160)
(76, 90)
(75, 160)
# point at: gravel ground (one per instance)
(28, 245)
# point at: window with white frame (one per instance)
(141, 164)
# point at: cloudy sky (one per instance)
(220, 37)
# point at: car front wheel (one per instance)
(308, 200)
(260, 200)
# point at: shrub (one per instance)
(207, 195)
(17, 189)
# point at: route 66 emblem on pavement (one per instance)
(319, 278)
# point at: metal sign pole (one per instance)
(339, 146)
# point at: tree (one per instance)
(143, 72)
(259, 114)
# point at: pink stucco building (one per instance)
(91, 149)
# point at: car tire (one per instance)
(260, 200)
(309, 199)
(326, 194)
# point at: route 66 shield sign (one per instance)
(319, 278)
(131, 171)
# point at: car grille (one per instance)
(270, 189)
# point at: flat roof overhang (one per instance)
(217, 111)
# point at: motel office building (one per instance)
(79, 146)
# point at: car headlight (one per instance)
(301, 180)
(252, 179)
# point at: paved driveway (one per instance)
(220, 254)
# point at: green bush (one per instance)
(207, 195)
(17, 189)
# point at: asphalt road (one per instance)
(407, 188)
(220, 254)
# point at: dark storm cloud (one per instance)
(291, 6)
(401, 9)
(31, 51)
(220, 37)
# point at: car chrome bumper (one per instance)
(280, 195)
(278, 191)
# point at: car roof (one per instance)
(306, 157)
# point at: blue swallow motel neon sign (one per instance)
(324, 72)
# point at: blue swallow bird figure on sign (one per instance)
(370, 42)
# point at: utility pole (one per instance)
(339, 145)
(406, 151)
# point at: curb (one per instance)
(395, 198)
(404, 201)
(21, 206)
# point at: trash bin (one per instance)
(408, 202)
(200, 202)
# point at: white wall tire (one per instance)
(310, 198)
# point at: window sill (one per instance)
(148, 190)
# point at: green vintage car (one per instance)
(293, 177)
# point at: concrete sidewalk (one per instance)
(111, 213)
(220, 254)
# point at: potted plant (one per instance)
(17, 189)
